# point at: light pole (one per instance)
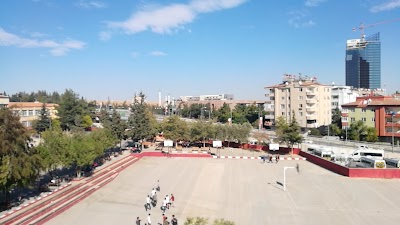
(393, 114)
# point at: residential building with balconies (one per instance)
(380, 112)
(309, 100)
(4, 101)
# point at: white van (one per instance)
(367, 152)
(367, 162)
(324, 152)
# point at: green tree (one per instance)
(141, 120)
(372, 135)
(20, 163)
(223, 222)
(71, 110)
(44, 121)
(357, 129)
(337, 117)
(315, 132)
(86, 121)
(288, 133)
(117, 127)
(175, 129)
(53, 149)
(196, 221)
(334, 130)
(223, 113)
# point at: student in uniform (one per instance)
(137, 221)
(174, 221)
(148, 219)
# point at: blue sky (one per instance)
(113, 49)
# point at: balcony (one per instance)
(311, 100)
(390, 124)
(269, 110)
(311, 117)
(269, 117)
(311, 125)
(388, 114)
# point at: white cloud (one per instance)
(91, 4)
(299, 19)
(313, 3)
(56, 48)
(157, 53)
(105, 35)
(37, 34)
(386, 6)
(170, 18)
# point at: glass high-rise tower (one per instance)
(363, 62)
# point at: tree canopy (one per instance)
(288, 133)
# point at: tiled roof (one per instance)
(373, 102)
(30, 104)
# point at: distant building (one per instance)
(4, 101)
(207, 97)
(363, 62)
(30, 111)
(381, 112)
(309, 100)
(342, 95)
(216, 104)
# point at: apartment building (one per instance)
(207, 97)
(30, 111)
(381, 112)
(342, 95)
(4, 101)
(309, 100)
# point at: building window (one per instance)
(288, 105)
(301, 89)
(283, 98)
(300, 105)
(352, 119)
(363, 110)
(283, 113)
(364, 119)
(344, 119)
(282, 90)
(345, 110)
(372, 110)
(282, 106)
(301, 113)
(288, 113)
(373, 119)
(24, 113)
(353, 110)
(300, 97)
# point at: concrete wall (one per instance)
(351, 172)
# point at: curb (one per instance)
(257, 157)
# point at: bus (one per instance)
(393, 163)
(324, 153)
(369, 162)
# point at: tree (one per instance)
(288, 133)
(334, 130)
(204, 221)
(315, 132)
(357, 129)
(86, 121)
(140, 120)
(71, 110)
(44, 121)
(223, 113)
(117, 127)
(337, 117)
(261, 137)
(175, 129)
(53, 149)
(20, 163)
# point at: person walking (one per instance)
(137, 221)
(158, 186)
(164, 206)
(148, 202)
(277, 158)
(172, 200)
(270, 159)
(167, 201)
(148, 219)
(165, 222)
(174, 221)
(153, 192)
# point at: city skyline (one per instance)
(105, 49)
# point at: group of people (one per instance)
(151, 200)
(270, 157)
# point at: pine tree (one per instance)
(44, 121)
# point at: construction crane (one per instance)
(362, 26)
